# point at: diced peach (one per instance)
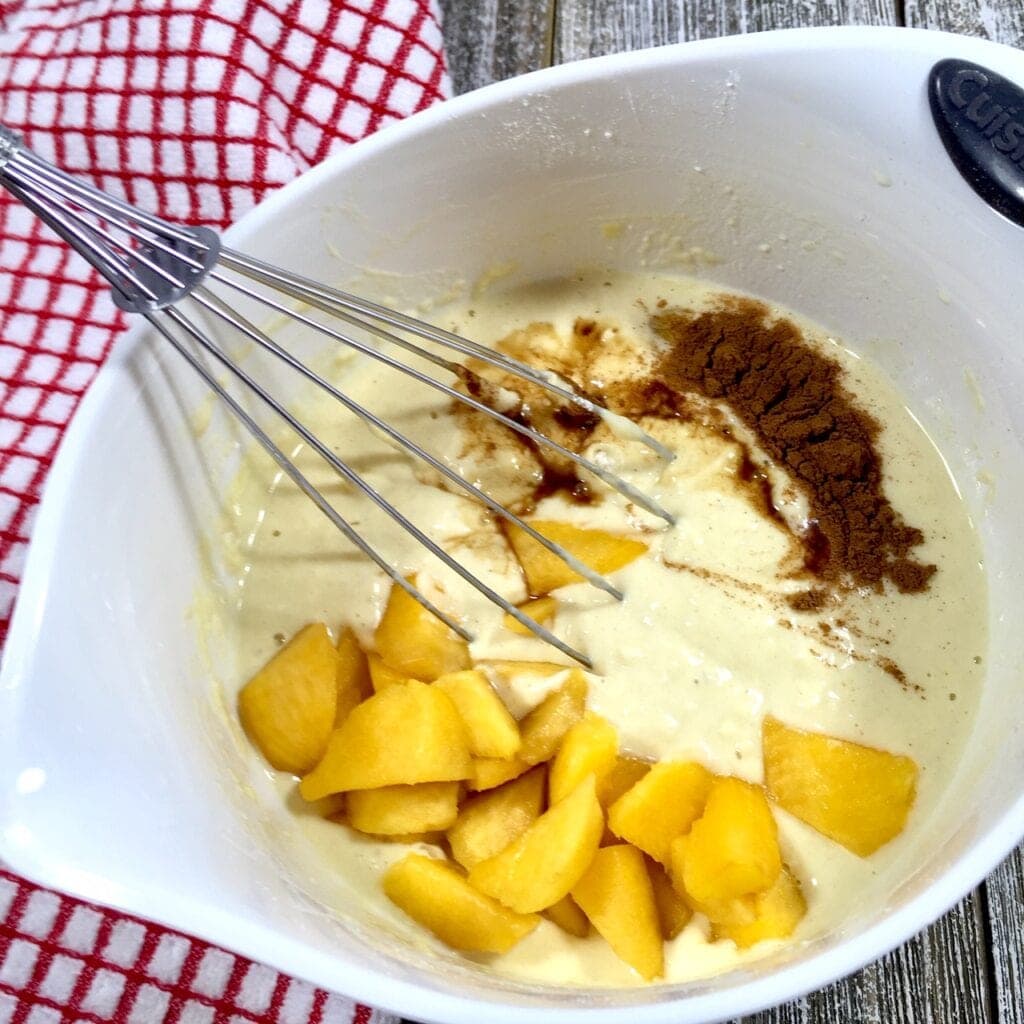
(544, 571)
(437, 897)
(588, 748)
(857, 796)
(488, 772)
(383, 675)
(673, 912)
(568, 916)
(492, 731)
(399, 810)
(662, 805)
(413, 641)
(353, 675)
(541, 609)
(625, 773)
(733, 848)
(288, 707)
(776, 913)
(616, 895)
(540, 867)
(489, 822)
(739, 910)
(544, 727)
(406, 734)
(412, 838)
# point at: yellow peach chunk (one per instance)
(407, 733)
(540, 867)
(733, 848)
(858, 796)
(590, 747)
(738, 910)
(673, 912)
(381, 674)
(288, 707)
(437, 897)
(488, 772)
(568, 916)
(411, 838)
(489, 822)
(399, 810)
(544, 571)
(491, 730)
(662, 805)
(353, 675)
(616, 895)
(544, 727)
(776, 913)
(541, 609)
(735, 911)
(413, 641)
(625, 773)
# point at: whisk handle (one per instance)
(10, 143)
(148, 262)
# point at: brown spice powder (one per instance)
(791, 396)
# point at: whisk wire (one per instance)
(301, 481)
(306, 290)
(340, 466)
(338, 303)
(151, 265)
(611, 479)
(124, 250)
(72, 208)
(28, 164)
(139, 275)
(216, 306)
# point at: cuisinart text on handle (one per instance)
(979, 116)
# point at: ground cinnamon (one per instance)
(791, 396)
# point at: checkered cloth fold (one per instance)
(195, 110)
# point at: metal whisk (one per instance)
(151, 265)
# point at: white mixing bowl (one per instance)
(807, 164)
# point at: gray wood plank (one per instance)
(1005, 892)
(588, 28)
(938, 978)
(999, 20)
(488, 40)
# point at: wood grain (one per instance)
(588, 28)
(1005, 892)
(934, 979)
(489, 40)
(999, 20)
(968, 968)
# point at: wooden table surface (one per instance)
(968, 968)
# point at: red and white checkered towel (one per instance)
(196, 110)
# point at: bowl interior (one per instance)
(799, 166)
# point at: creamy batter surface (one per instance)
(709, 637)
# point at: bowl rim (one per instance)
(370, 985)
